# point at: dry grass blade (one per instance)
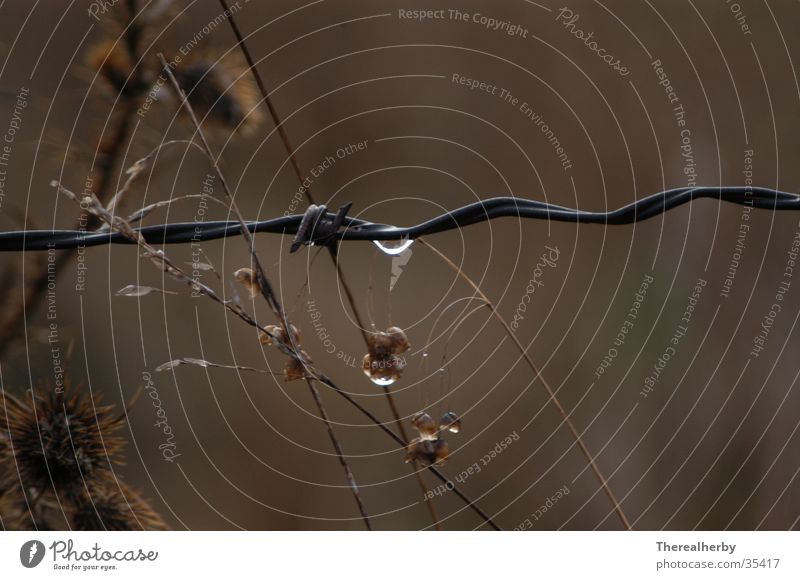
(538, 375)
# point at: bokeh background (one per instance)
(713, 446)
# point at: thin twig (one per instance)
(348, 473)
(538, 375)
(332, 249)
(377, 422)
(266, 287)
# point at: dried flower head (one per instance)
(221, 91)
(58, 440)
(112, 505)
(59, 450)
(247, 278)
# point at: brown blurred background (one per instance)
(713, 446)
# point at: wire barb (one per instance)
(318, 227)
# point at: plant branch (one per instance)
(332, 248)
(266, 288)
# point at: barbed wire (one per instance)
(358, 229)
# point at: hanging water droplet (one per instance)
(424, 355)
(393, 247)
(385, 382)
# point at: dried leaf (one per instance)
(200, 266)
(133, 290)
(205, 364)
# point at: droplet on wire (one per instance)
(393, 247)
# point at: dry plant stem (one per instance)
(350, 478)
(14, 323)
(332, 249)
(414, 465)
(538, 375)
(471, 504)
(437, 522)
(266, 287)
(161, 260)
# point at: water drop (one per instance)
(383, 382)
(393, 247)
(424, 355)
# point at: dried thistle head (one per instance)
(59, 439)
(112, 505)
(221, 91)
(247, 278)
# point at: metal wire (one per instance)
(357, 229)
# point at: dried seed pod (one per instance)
(247, 278)
(380, 345)
(428, 430)
(399, 340)
(420, 450)
(294, 369)
(441, 450)
(295, 332)
(274, 332)
(427, 452)
(265, 338)
(451, 422)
